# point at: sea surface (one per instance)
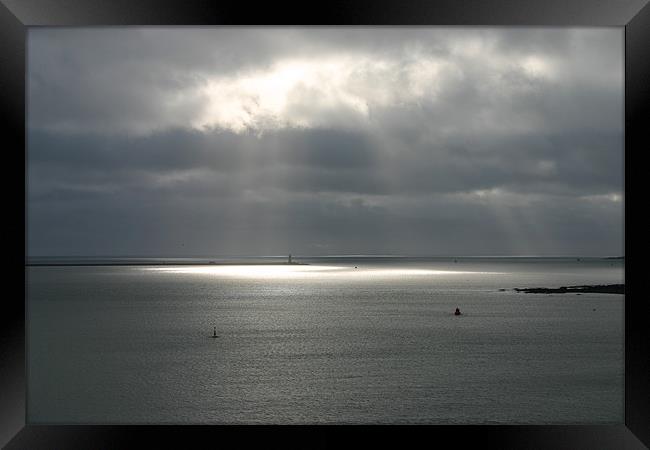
(340, 340)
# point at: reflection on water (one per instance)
(300, 271)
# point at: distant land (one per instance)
(222, 258)
(165, 263)
(595, 289)
(79, 261)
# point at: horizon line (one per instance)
(353, 255)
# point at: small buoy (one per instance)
(355, 267)
(214, 334)
(457, 313)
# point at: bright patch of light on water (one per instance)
(302, 271)
(249, 271)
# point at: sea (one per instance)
(326, 340)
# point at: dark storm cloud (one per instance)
(377, 140)
(179, 150)
(317, 160)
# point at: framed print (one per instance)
(356, 224)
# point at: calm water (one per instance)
(326, 343)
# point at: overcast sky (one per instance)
(265, 141)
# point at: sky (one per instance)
(230, 141)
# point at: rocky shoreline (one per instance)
(594, 289)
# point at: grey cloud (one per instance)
(142, 78)
(315, 160)
(508, 164)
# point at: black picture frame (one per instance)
(17, 15)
